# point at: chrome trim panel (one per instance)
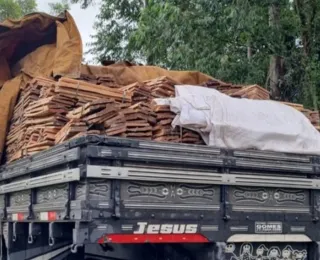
(42, 181)
(163, 175)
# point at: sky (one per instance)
(84, 19)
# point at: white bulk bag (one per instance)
(233, 123)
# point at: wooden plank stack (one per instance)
(298, 107)
(139, 92)
(86, 92)
(239, 91)
(161, 87)
(223, 87)
(133, 122)
(50, 112)
(314, 118)
(20, 133)
(112, 118)
(252, 92)
(163, 131)
(40, 114)
(106, 80)
(89, 118)
(45, 118)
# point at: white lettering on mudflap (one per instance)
(145, 228)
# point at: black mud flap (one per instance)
(271, 251)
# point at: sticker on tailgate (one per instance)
(268, 227)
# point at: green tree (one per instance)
(14, 9)
(308, 12)
(84, 3)
(27, 6)
(115, 26)
(9, 9)
(57, 8)
(243, 41)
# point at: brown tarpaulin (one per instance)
(124, 74)
(43, 45)
(36, 45)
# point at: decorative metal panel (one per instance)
(248, 198)
(52, 193)
(20, 198)
(170, 194)
(99, 190)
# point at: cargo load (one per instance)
(49, 101)
(133, 162)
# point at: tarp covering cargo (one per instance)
(43, 45)
(124, 74)
(233, 123)
(37, 45)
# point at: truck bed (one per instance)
(115, 191)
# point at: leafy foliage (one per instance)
(27, 6)
(59, 7)
(84, 3)
(16, 8)
(235, 41)
(116, 24)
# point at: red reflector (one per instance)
(18, 217)
(153, 238)
(52, 215)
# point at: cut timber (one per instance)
(161, 87)
(80, 87)
(90, 108)
(298, 107)
(252, 92)
(162, 116)
(101, 116)
(72, 128)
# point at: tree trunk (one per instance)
(307, 12)
(275, 60)
(249, 51)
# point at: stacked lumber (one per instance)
(133, 122)
(90, 118)
(40, 113)
(161, 87)
(45, 118)
(223, 87)
(298, 107)
(314, 118)
(163, 131)
(139, 92)
(106, 80)
(49, 112)
(252, 92)
(72, 128)
(111, 118)
(239, 91)
(191, 137)
(19, 129)
(86, 92)
(92, 112)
